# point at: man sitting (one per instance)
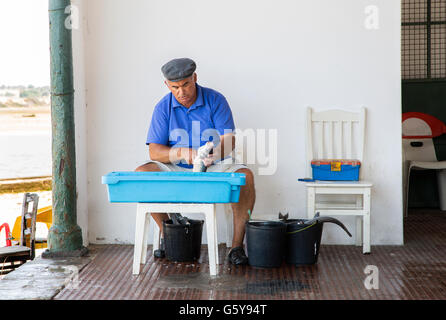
(186, 119)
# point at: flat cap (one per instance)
(179, 69)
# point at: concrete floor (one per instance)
(42, 279)
(415, 271)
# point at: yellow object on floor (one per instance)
(44, 215)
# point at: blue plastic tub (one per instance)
(182, 187)
(336, 170)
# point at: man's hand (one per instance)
(188, 155)
(209, 160)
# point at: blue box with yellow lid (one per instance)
(336, 169)
(174, 187)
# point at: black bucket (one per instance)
(265, 241)
(303, 239)
(183, 242)
(302, 242)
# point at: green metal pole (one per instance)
(65, 236)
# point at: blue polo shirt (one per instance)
(176, 126)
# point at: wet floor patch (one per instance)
(229, 283)
(200, 281)
(274, 287)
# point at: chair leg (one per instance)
(211, 237)
(156, 236)
(229, 225)
(441, 179)
(366, 232)
(359, 222)
(215, 235)
(139, 237)
(366, 222)
(311, 197)
(145, 236)
(406, 191)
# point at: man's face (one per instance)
(184, 90)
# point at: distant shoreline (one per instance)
(25, 119)
(38, 109)
(28, 184)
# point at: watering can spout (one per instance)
(318, 219)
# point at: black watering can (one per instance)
(303, 238)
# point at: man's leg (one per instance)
(240, 209)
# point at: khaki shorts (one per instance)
(217, 167)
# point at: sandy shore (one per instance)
(29, 119)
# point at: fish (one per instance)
(202, 153)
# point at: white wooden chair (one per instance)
(331, 134)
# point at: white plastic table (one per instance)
(143, 220)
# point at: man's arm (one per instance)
(165, 154)
(224, 124)
(225, 147)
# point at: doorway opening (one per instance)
(423, 58)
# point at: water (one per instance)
(25, 154)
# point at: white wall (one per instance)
(271, 59)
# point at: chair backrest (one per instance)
(335, 134)
(419, 129)
(418, 125)
(28, 223)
